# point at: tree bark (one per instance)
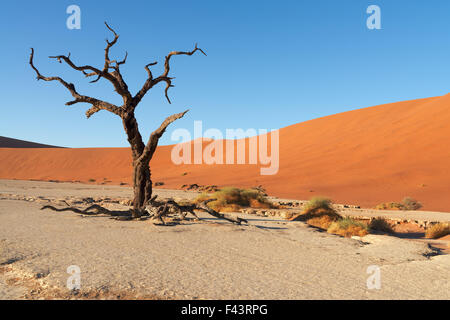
(142, 185)
(142, 154)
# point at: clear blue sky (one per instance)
(270, 63)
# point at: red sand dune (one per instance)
(364, 157)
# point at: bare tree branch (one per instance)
(83, 69)
(124, 59)
(150, 75)
(150, 82)
(114, 77)
(108, 46)
(96, 104)
(175, 53)
(152, 143)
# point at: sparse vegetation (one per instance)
(318, 207)
(318, 202)
(230, 199)
(318, 212)
(203, 188)
(438, 230)
(91, 180)
(407, 203)
(348, 227)
(322, 222)
(390, 206)
(411, 204)
(380, 224)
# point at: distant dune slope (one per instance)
(15, 143)
(364, 157)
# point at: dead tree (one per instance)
(141, 153)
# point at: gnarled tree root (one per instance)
(96, 209)
(203, 206)
(157, 211)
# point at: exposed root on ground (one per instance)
(96, 209)
(156, 210)
(203, 206)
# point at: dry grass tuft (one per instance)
(407, 203)
(322, 222)
(317, 203)
(411, 204)
(348, 227)
(318, 207)
(231, 199)
(318, 212)
(380, 224)
(438, 230)
(390, 206)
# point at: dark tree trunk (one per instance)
(133, 135)
(142, 185)
(142, 154)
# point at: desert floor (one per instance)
(269, 258)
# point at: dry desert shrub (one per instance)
(411, 204)
(348, 227)
(390, 206)
(317, 203)
(231, 199)
(407, 203)
(318, 212)
(438, 230)
(322, 222)
(318, 207)
(380, 224)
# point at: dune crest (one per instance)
(16, 143)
